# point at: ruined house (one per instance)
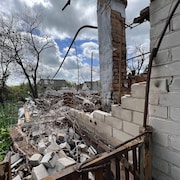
(56, 84)
(125, 120)
(125, 128)
(88, 85)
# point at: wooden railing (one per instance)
(130, 160)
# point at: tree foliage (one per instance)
(23, 42)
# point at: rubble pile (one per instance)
(44, 142)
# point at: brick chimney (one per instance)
(112, 48)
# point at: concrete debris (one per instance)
(39, 172)
(66, 162)
(92, 151)
(45, 143)
(41, 146)
(15, 158)
(35, 159)
(84, 157)
(16, 163)
(49, 159)
(65, 146)
(17, 177)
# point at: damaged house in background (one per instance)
(69, 143)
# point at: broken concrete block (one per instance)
(41, 147)
(28, 177)
(35, 159)
(53, 147)
(15, 158)
(61, 154)
(39, 172)
(65, 145)
(17, 177)
(57, 168)
(82, 146)
(49, 160)
(16, 163)
(84, 157)
(52, 170)
(59, 165)
(65, 162)
(71, 132)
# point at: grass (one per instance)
(8, 116)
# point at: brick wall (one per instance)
(118, 55)
(124, 121)
(112, 48)
(164, 109)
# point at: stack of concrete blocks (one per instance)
(122, 124)
(49, 164)
(165, 91)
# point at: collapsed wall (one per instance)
(124, 121)
(112, 48)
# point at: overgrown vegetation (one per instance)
(22, 91)
(9, 116)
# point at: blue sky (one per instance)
(61, 26)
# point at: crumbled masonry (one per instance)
(44, 142)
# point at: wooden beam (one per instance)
(105, 157)
(63, 173)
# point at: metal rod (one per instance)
(134, 152)
(138, 56)
(118, 175)
(126, 170)
(91, 69)
(77, 61)
(85, 26)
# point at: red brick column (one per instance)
(118, 55)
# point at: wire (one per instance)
(85, 26)
(138, 56)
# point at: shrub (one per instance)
(8, 116)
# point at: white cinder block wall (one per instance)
(165, 92)
(122, 124)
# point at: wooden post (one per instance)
(85, 176)
(118, 175)
(148, 155)
(145, 155)
(99, 174)
(26, 112)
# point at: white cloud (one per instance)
(89, 48)
(141, 32)
(63, 25)
(71, 51)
